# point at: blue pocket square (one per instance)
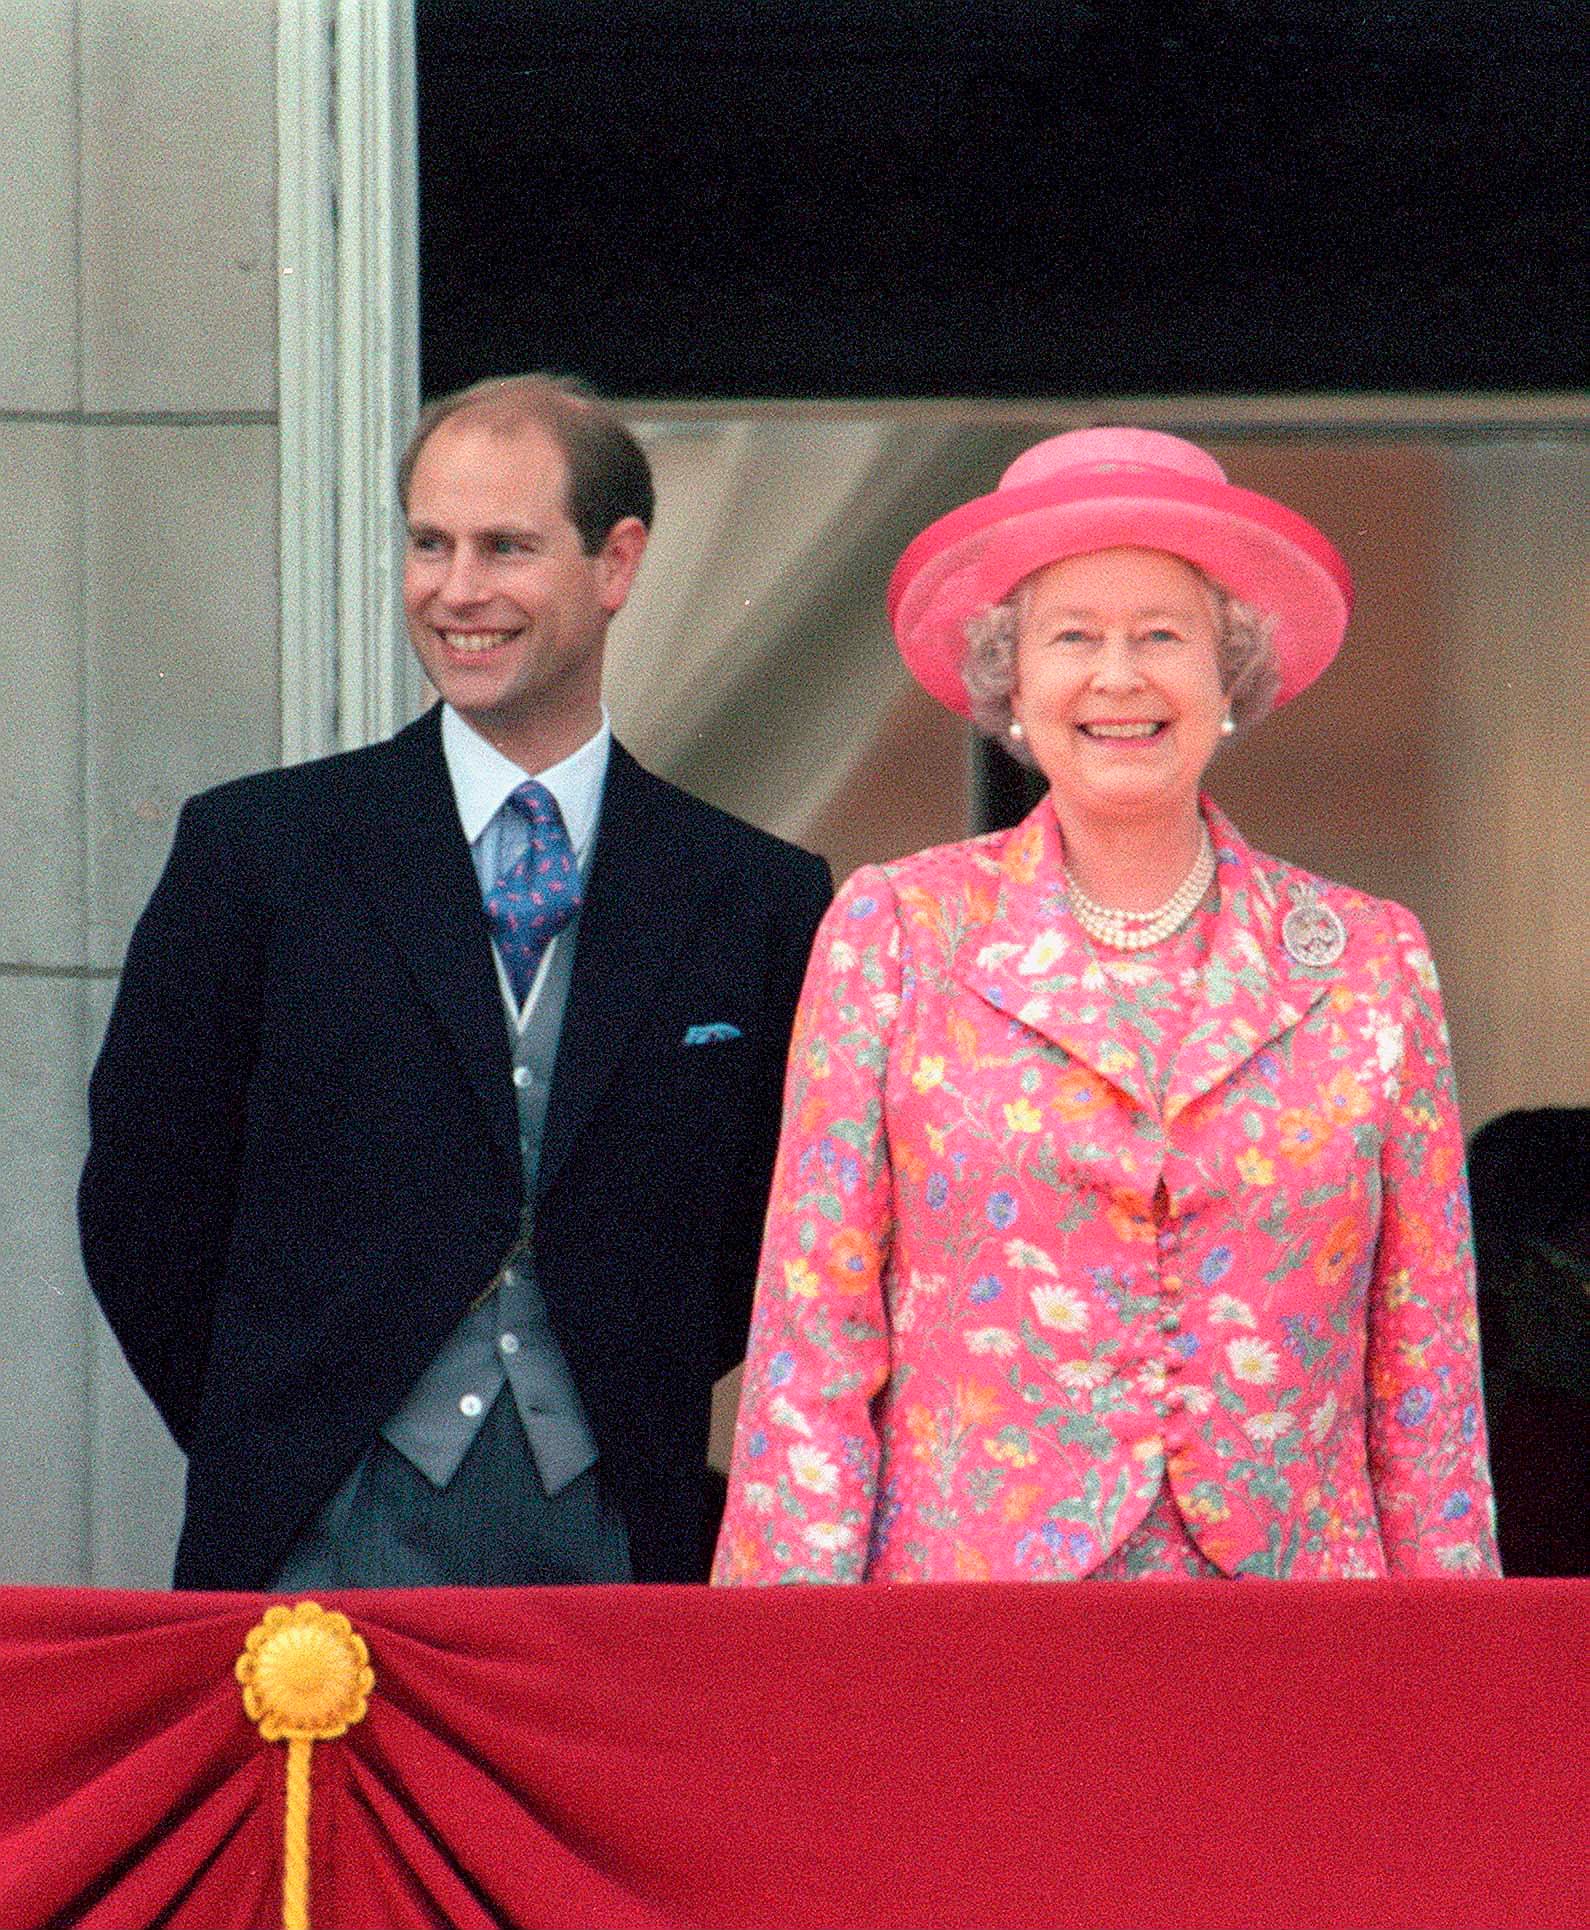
(709, 1034)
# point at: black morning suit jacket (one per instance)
(304, 1159)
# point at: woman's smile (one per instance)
(1126, 734)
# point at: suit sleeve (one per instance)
(804, 1475)
(797, 914)
(166, 1115)
(1427, 1451)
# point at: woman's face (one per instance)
(1118, 681)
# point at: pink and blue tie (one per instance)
(539, 893)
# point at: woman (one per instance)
(1119, 1227)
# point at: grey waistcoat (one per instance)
(506, 1335)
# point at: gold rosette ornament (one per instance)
(306, 1678)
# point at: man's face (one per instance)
(506, 612)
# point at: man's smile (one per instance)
(474, 643)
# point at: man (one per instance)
(417, 1306)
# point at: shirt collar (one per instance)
(483, 779)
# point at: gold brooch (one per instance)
(306, 1678)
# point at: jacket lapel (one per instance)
(1029, 959)
(423, 889)
(648, 881)
(1022, 951)
(1253, 989)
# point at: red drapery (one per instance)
(1267, 1754)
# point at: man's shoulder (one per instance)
(323, 788)
(706, 827)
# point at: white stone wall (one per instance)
(138, 466)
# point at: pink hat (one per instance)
(1095, 489)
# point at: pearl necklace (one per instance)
(1135, 931)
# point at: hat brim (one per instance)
(1259, 550)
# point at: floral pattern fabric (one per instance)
(1159, 1548)
(1151, 995)
(1033, 1269)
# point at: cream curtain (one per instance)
(754, 663)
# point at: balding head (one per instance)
(609, 477)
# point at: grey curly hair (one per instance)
(1244, 651)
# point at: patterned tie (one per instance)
(539, 893)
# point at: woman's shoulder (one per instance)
(927, 876)
(1280, 884)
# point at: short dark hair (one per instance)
(609, 476)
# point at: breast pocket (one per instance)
(682, 1109)
(701, 1066)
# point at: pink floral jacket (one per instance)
(1007, 1291)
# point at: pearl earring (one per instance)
(1015, 732)
(1228, 727)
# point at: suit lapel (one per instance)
(648, 881)
(424, 891)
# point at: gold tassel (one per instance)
(306, 1678)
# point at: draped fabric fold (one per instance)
(1282, 1754)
